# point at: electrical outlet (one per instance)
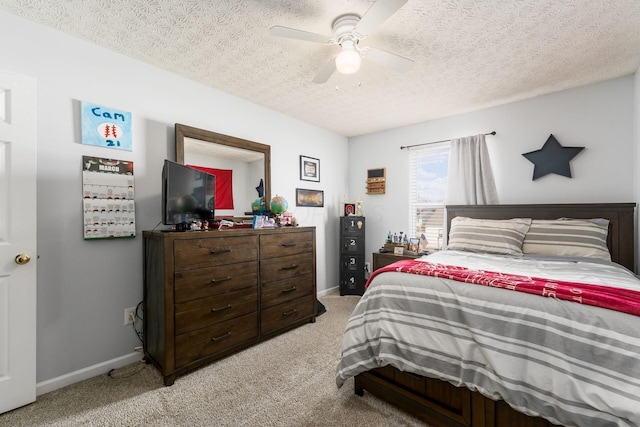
(367, 267)
(129, 315)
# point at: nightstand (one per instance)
(382, 259)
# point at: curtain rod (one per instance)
(435, 142)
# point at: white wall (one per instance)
(599, 117)
(84, 286)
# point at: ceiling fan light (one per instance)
(348, 61)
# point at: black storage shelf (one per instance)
(352, 250)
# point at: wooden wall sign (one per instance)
(376, 181)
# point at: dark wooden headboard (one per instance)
(621, 238)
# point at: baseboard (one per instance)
(86, 373)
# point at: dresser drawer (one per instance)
(286, 267)
(285, 290)
(214, 251)
(214, 339)
(281, 244)
(204, 282)
(285, 314)
(207, 311)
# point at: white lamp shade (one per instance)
(348, 61)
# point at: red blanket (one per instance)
(224, 185)
(624, 300)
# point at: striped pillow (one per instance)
(488, 235)
(568, 237)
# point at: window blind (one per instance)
(428, 169)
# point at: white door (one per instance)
(17, 240)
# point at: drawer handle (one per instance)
(289, 313)
(221, 337)
(228, 306)
(288, 245)
(290, 267)
(223, 279)
(220, 251)
(293, 288)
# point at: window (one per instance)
(428, 169)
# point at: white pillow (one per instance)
(494, 236)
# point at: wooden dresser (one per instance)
(208, 294)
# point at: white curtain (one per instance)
(470, 179)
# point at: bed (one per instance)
(459, 354)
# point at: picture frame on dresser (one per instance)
(414, 245)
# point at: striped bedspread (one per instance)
(572, 364)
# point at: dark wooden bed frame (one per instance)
(444, 405)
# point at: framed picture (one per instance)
(414, 244)
(313, 198)
(349, 209)
(309, 169)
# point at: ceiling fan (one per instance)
(348, 31)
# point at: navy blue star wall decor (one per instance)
(552, 158)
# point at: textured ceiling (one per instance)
(469, 54)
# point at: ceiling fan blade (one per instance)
(292, 33)
(325, 72)
(390, 60)
(379, 12)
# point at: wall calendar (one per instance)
(108, 198)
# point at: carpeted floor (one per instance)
(286, 381)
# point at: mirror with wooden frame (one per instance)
(249, 161)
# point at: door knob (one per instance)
(22, 259)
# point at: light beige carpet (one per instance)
(286, 381)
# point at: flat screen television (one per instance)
(188, 195)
